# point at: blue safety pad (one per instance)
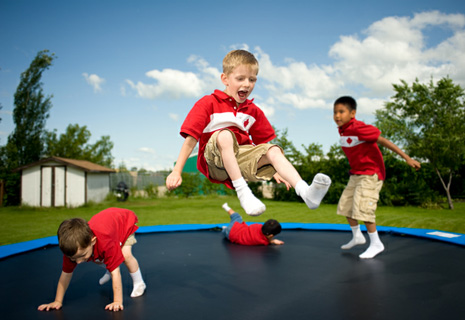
(451, 237)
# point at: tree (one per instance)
(74, 144)
(428, 120)
(25, 143)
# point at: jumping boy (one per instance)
(251, 235)
(233, 135)
(107, 239)
(359, 199)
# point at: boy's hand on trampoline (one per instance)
(50, 306)
(277, 242)
(173, 180)
(115, 306)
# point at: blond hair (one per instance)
(236, 58)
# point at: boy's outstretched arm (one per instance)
(117, 284)
(174, 179)
(276, 242)
(391, 146)
(63, 284)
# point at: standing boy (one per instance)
(233, 135)
(359, 200)
(107, 239)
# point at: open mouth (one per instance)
(242, 94)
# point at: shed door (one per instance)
(53, 191)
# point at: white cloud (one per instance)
(175, 84)
(174, 116)
(364, 65)
(147, 150)
(394, 48)
(94, 80)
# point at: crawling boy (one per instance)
(106, 239)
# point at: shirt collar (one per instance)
(223, 96)
(345, 126)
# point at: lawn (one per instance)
(20, 224)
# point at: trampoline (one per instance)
(192, 272)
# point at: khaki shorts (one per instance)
(130, 241)
(247, 157)
(360, 198)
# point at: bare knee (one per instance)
(224, 139)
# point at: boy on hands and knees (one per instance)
(233, 135)
(107, 238)
(251, 235)
(359, 199)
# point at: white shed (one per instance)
(56, 182)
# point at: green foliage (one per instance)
(25, 143)
(428, 120)
(151, 190)
(74, 144)
(190, 186)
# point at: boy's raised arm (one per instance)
(63, 284)
(391, 146)
(174, 179)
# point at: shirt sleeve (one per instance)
(68, 265)
(261, 131)
(369, 133)
(196, 120)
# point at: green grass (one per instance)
(18, 224)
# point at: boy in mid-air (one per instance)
(359, 199)
(251, 235)
(233, 135)
(107, 239)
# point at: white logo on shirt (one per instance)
(228, 119)
(350, 141)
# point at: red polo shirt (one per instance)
(219, 111)
(111, 227)
(359, 143)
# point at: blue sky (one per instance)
(133, 69)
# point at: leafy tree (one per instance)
(428, 120)
(74, 144)
(25, 143)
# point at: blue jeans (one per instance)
(235, 217)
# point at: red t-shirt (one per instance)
(219, 111)
(359, 143)
(249, 235)
(111, 227)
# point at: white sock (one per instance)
(313, 194)
(226, 207)
(106, 277)
(357, 238)
(139, 284)
(249, 202)
(376, 246)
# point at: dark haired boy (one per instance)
(251, 235)
(359, 199)
(106, 239)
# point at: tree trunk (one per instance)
(447, 188)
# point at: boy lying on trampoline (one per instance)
(251, 235)
(233, 135)
(107, 239)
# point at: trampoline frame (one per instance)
(445, 236)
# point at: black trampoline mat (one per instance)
(199, 275)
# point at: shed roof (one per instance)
(81, 164)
